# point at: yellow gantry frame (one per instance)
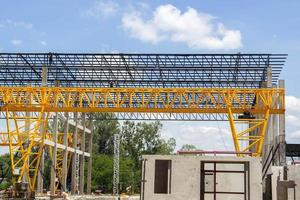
(26, 143)
(230, 101)
(60, 156)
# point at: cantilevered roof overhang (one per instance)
(140, 70)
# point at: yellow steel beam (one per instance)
(26, 145)
(148, 100)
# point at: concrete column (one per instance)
(267, 84)
(82, 157)
(281, 139)
(90, 159)
(275, 135)
(40, 182)
(54, 156)
(74, 188)
(269, 77)
(65, 153)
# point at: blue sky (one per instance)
(250, 26)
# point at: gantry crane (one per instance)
(231, 87)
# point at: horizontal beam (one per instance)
(150, 116)
(4, 141)
(142, 100)
(139, 60)
(73, 123)
(69, 149)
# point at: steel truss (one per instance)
(60, 156)
(140, 70)
(134, 86)
(29, 143)
(26, 143)
(142, 100)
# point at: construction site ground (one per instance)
(93, 197)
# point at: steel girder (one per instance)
(26, 145)
(142, 100)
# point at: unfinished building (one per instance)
(238, 88)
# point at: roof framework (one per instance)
(140, 70)
(198, 71)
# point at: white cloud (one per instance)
(16, 24)
(206, 136)
(17, 42)
(292, 104)
(294, 136)
(292, 119)
(43, 43)
(168, 23)
(217, 135)
(102, 9)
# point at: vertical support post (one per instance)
(90, 159)
(27, 131)
(54, 156)
(282, 142)
(264, 129)
(74, 188)
(266, 84)
(82, 157)
(233, 130)
(262, 133)
(269, 77)
(40, 182)
(65, 153)
(116, 180)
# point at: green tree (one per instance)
(105, 126)
(5, 172)
(144, 138)
(188, 147)
(103, 173)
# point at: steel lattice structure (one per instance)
(140, 70)
(135, 86)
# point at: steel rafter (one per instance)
(140, 70)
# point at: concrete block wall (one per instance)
(293, 173)
(186, 177)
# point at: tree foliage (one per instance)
(5, 172)
(142, 138)
(136, 140)
(105, 126)
(188, 147)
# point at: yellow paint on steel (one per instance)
(28, 144)
(145, 100)
(25, 145)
